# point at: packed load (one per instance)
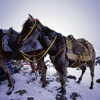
(79, 49)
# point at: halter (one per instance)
(30, 31)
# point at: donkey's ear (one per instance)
(31, 18)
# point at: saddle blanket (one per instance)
(26, 48)
(86, 56)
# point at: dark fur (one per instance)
(5, 56)
(45, 36)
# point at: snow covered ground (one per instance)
(32, 88)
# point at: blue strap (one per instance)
(10, 67)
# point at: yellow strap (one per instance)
(31, 55)
(30, 31)
(43, 54)
(28, 59)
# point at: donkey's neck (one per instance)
(46, 38)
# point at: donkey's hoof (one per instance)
(63, 92)
(9, 93)
(43, 85)
(59, 88)
(91, 87)
(10, 90)
(9, 85)
(78, 82)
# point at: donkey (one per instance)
(8, 55)
(55, 45)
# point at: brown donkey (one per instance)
(5, 56)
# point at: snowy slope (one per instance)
(32, 88)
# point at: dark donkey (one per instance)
(57, 46)
(8, 55)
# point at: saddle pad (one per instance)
(5, 44)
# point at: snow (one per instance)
(23, 81)
(97, 52)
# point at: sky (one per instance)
(81, 18)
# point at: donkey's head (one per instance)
(30, 32)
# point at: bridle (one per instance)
(29, 31)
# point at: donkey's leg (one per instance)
(83, 68)
(91, 66)
(63, 80)
(44, 70)
(9, 76)
(61, 64)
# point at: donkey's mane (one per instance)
(25, 23)
(51, 33)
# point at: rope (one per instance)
(74, 62)
(30, 31)
(53, 57)
(31, 55)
